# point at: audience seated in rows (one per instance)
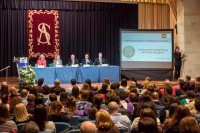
(109, 107)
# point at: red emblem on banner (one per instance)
(43, 33)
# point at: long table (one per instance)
(65, 74)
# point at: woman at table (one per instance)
(87, 60)
(42, 61)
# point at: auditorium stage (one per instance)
(13, 81)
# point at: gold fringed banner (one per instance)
(43, 33)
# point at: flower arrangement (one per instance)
(27, 75)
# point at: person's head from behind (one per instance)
(123, 82)
(88, 127)
(197, 104)
(4, 98)
(187, 78)
(75, 92)
(88, 81)
(55, 108)
(189, 125)
(53, 98)
(73, 82)
(145, 98)
(46, 90)
(39, 99)
(40, 81)
(4, 89)
(192, 81)
(98, 100)
(57, 91)
(147, 125)
(95, 88)
(85, 86)
(148, 112)
(104, 86)
(31, 99)
(168, 90)
(20, 112)
(40, 116)
(150, 105)
(191, 94)
(106, 80)
(23, 93)
(57, 82)
(133, 97)
(13, 91)
(63, 96)
(113, 86)
(103, 120)
(14, 101)
(123, 94)
(85, 94)
(100, 55)
(115, 98)
(71, 104)
(34, 91)
(92, 112)
(172, 109)
(180, 112)
(113, 108)
(150, 87)
(4, 115)
(30, 127)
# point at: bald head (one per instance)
(113, 107)
(88, 127)
(13, 91)
(23, 93)
(95, 87)
(192, 81)
(3, 83)
(133, 84)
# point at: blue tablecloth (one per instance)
(47, 73)
(65, 74)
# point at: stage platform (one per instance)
(13, 81)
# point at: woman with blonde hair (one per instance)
(21, 114)
(71, 105)
(57, 113)
(104, 123)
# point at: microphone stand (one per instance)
(6, 68)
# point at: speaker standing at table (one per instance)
(87, 60)
(41, 61)
(72, 60)
(99, 61)
(57, 60)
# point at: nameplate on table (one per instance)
(74, 65)
(104, 65)
(58, 66)
(86, 65)
(40, 66)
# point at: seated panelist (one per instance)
(42, 61)
(72, 60)
(87, 60)
(99, 61)
(57, 60)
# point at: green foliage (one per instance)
(27, 75)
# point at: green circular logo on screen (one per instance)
(128, 51)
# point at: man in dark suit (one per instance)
(72, 60)
(99, 61)
(87, 60)
(177, 62)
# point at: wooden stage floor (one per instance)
(13, 81)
